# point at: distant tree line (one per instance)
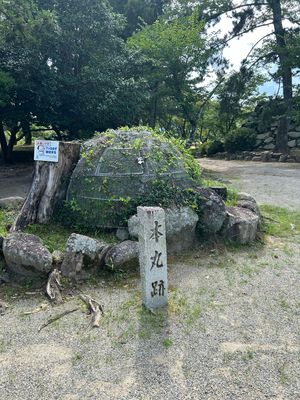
(73, 67)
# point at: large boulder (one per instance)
(213, 210)
(11, 203)
(240, 225)
(180, 228)
(83, 257)
(249, 202)
(123, 255)
(26, 255)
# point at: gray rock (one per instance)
(276, 156)
(249, 202)
(14, 202)
(123, 255)
(294, 135)
(25, 255)
(268, 140)
(297, 129)
(213, 211)
(246, 196)
(257, 158)
(180, 227)
(122, 234)
(266, 156)
(283, 158)
(221, 191)
(263, 136)
(240, 225)
(292, 143)
(84, 256)
(269, 146)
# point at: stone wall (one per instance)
(267, 140)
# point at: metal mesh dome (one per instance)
(116, 168)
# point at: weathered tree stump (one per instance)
(49, 186)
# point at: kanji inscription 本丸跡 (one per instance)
(153, 256)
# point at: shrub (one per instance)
(240, 139)
(209, 148)
(213, 147)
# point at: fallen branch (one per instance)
(57, 317)
(95, 309)
(54, 286)
(42, 307)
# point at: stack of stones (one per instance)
(261, 155)
(267, 140)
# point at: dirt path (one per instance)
(269, 183)
(15, 180)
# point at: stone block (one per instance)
(294, 135)
(240, 225)
(123, 255)
(263, 136)
(153, 256)
(268, 140)
(269, 146)
(292, 143)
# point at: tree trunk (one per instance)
(286, 74)
(27, 132)
(3, 143)
(49, 186)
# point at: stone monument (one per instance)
(153, 256)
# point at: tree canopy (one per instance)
(75, 67)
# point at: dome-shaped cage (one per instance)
(116, 169)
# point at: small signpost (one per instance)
(153, 256)
(46, 150)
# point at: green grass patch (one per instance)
(7, 217)
(55, 236)
(280, 222)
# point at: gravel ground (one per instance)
(269, 183)
(230, 332)
(15, 179)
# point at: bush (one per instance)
(209, 148)
(213, 147)
(240, 139)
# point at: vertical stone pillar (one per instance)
(153, 256)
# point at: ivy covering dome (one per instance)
(117, 169)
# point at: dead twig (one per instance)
(42, 307)
(54, 286)
(95, 309)
(57, 317)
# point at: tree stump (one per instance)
(49, 186)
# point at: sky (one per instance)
(239, 48)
